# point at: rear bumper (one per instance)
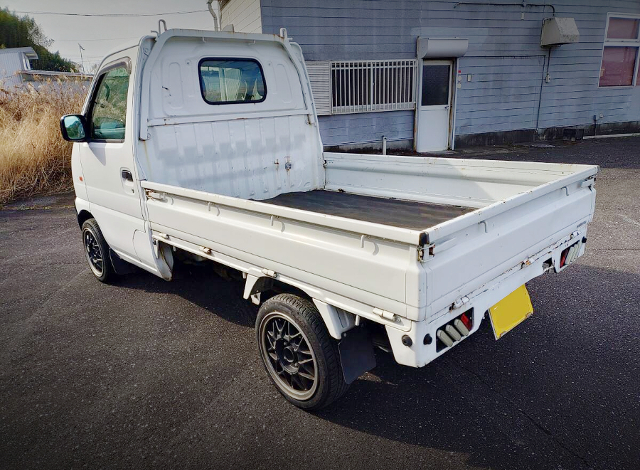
(424, 346)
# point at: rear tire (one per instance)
(96, 251)
(300, 356)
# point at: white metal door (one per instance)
(434, 106)
(107, 161)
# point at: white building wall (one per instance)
(244, 15)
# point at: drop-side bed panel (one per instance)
(360, 260)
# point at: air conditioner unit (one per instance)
(557, 31)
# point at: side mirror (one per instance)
(73, 128)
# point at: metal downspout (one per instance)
(213, 14)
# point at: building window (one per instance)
(620, 53)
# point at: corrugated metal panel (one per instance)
(320, 78)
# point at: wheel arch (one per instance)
(336, 320)
(83, 216)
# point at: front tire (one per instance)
(300, 356)
(96, 250)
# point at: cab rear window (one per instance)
(231, 81)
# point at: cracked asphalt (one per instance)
(150, 374)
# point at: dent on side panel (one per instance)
(172, 88)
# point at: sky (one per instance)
(100, 34)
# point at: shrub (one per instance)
(34, 159)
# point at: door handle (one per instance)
(126, 175)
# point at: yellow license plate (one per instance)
(510, 311)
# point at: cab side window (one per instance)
(109, 107)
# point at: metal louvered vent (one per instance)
(320, 78)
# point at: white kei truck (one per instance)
(204, 147)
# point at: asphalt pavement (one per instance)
(153, 374)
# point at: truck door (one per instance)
(107, 159)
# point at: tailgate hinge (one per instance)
(269, 273)
(588, 182)
(424, 252)
(459, 302)
(386, 315)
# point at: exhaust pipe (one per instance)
(464, 331)
(451, 331)
(442, 336)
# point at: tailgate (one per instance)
(468, 252)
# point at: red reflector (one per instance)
(563, 256)
(465, 319)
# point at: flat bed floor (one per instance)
(395, 212)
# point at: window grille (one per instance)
(373, 85)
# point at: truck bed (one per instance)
(373, 214)
(386, 211)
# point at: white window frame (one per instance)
(381, 96)
(621, 43)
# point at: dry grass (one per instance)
(34, 159)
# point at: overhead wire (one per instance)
(112, 15)
(104, 15)
(94, 39)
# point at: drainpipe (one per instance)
(545, 79)
(213, 13)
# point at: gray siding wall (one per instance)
(361, 128)
(244, 15)
(507, 90)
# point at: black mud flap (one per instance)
(119, 265)
(356, 354)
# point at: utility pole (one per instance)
(81, 59)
